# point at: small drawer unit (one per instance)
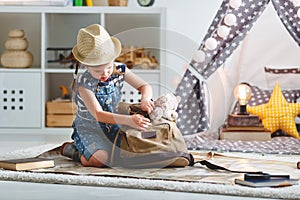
(20, 100)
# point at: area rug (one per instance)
(198, 179)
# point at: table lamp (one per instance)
(241, 125)
(242, 93)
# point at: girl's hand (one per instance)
(140, 122)
(147, 105)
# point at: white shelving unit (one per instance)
(24, 92)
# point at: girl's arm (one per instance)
(92, 104)
(145, 89)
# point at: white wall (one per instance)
(186, 24)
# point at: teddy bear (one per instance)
(165, 107)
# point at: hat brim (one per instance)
(101, 59)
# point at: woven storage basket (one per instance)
(117, 2)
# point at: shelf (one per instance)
(79, 9)
(18, 70)
(57, 27)
(56, 70)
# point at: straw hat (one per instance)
(95, 46)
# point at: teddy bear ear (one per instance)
(178, 98)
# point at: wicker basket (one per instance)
(117, 2)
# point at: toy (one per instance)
(16, 54)
(138, 58)
(165, 107)
(61, 56)
(64, 92)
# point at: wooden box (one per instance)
(59, 120)
(60, 113)
(61, 107)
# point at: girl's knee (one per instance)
(98, 159)
(92, 163)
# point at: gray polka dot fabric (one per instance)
(192, 113)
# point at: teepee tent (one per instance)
(232, 23)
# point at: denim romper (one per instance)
(89, 135)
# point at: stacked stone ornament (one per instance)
(16, 54)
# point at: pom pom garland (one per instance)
(211, 43)
(296, 3)
(223, 31)
(230, 19)
(235, 3)
(199, 56)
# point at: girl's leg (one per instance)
(98, 159)
(69, 150)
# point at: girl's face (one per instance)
(101, 72)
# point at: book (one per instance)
(243, 120)
(78, 2)
(89, 2)
(267, 182)
(26, 164)
(244, 135)
(245, 128)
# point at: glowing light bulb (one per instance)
(242, 93)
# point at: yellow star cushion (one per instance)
(277, 113)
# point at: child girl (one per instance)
(97, 95)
